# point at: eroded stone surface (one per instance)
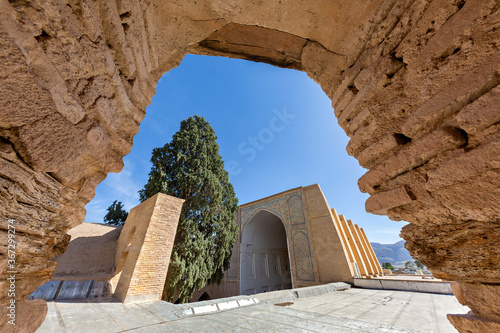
(29, 315)
(470, 323)
(414, 85)
(483, 299)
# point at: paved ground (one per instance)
(353, 310)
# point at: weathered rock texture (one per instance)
(29, 315)
(414, 84)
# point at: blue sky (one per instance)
(276, 130)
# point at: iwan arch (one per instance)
(293, 239)
(414, 84)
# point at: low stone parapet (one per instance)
(279, 296)
(435, 287)
(291, 295)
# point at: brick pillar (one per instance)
(371, 253)
(361, 247)
(144, 248)
(354, 246)
(343, 237)
(366, 252)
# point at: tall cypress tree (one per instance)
(116, 215)
(190, 167)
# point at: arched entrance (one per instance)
(414, 85)
(265, 263)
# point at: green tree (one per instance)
(190, 167)
(387, 265)
(116, 214)
(419, 264)
(409, 265)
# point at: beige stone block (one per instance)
(373, 256)
(361, 248)
(331, 256)
(150, 227)
(417, 153)
(483, 299)
(29, 315)
(467, 323)
(354, 246)
(379, 203)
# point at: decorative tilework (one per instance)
(296, 208)
(291, 210)
(232, 272)
(276, 206)
(302, 253)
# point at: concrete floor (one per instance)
(353, 310)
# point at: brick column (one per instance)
(371, 253)
(354, 246)
(343, 237)
(144, 249)
(362, 251)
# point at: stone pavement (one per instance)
(352, 310)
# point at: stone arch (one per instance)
(264, 210)
(265, 263)
(414, 84)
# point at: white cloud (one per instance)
(121, 187)
(96, 209)
(387, 231)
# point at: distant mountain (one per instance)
(395, 253)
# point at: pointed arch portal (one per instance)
(265, 260)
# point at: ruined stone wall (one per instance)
(90, 254)
(414, 84)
